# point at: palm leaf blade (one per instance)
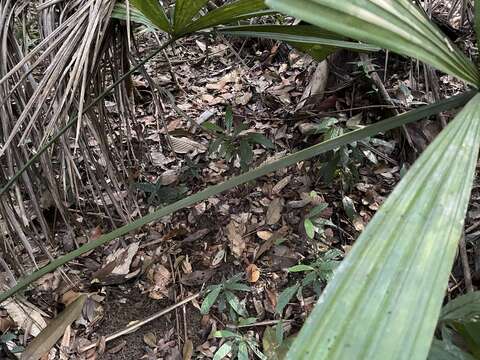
(396, 25)
(315, 150)
(385, 299)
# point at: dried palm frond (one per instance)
(55, 57)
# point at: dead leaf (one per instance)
(196, 278)
(150, 339)
(316, 87)
(69, 297)
(185, 145)
(235, 233)
(160, 277)
(253, 273)
(6, 323)
(264, 235)
(117, 348)
(50, 335)
(281, 184)
(168, 177)
(25, 316)
(274, 212)
(123, 259)
(187, 350)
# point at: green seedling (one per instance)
(223, 294)
(233, 141)
(240, 346)
(317, 274)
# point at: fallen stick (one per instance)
(138, 324)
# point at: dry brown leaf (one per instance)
(235, 233)
(281, 184)
(123, 259)
(185, 145)
(69, 297)
(160, 277)
(95, 233)
(6, 323)
(25, 316)
(55, 329)
(117, 348)
(196, 278)
(253, 273)
(274, 212)
(264, 235)
(187, 350)
(316, 88)
(150, 339)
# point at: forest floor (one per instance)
(313, 210)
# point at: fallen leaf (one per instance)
(150, 339)
(196, 278)
(185, 145)
(123, 259)
(117, 348)
(235, 237)
(274, 212)
(69, 297)
(25, 316)
(6, 323)
(50, 335)
(187, 350)
(281, 184)
(160, 277)
(264, 235)
(253, 273)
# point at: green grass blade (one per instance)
(154, 12)
(385, 298)
(289, 160)
(227, 14)
(397, 25)
(185, 10)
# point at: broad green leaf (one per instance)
(272, 347)
(465, 308)
(211, 127)
(55, 329)
(210, 300)
(441, 350)
(211, 191)
(223, 351)
(185, 10)
(470, 333)
(261, 139)
(120, 12)
(285, 297)
(242, 351)
(236, 305)
(309, 228)
(300, 268)
(299, 36)
(396, 25)
(237, 286)
(228, 13)
(226, 334)
(385, 298)
(152, 10)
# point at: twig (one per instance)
(135, 326)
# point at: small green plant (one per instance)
(240, 346)
(343, 162)
(223, 294)
(314, 224)
(8, 343)
(158, 194)
(231, 141)
(316, 273)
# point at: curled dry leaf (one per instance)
(235, 234)
(274, 212)
(6, 323)
(160, 277)
(253, 273)
(197, 277)
(25, 315)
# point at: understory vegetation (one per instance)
(272, 179)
